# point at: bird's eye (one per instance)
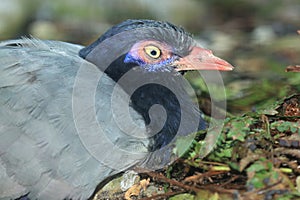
(153, 51)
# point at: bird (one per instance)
(71, 116)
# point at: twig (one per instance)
(230, 180)
(188, 188)
(198, 176)
(172, 182)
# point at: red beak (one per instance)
(202, 59)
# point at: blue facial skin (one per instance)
(163, 66)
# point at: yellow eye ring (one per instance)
(153, 51)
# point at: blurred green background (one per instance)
(259, 37)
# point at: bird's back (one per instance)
(45, 146)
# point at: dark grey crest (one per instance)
(173, 35)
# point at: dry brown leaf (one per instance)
(136, 189)
(144, 183)
(293, 68)
(133, 191)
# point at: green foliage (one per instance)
(240, 128)
(247, 146)
(284, 126)
(261, 174)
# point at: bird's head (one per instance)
(155, 53)
(153, 46)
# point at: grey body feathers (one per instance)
(41, 152)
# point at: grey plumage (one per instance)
(37, 130)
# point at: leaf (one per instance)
(136, 189)
(256, 167)
(293, 68)
(240, 128)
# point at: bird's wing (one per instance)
(45, 146)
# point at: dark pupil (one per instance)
(153, 53)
